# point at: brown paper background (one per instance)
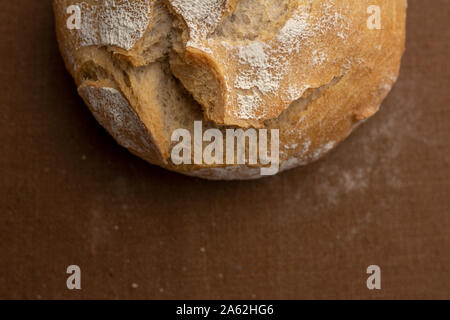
(70, 195)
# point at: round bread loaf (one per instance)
(309, 70)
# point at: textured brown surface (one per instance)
(70, 195)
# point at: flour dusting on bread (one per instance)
(201, 16)
(263, 76)
(120, 23)
(114, 112)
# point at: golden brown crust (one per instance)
(334, 73)
(260, 79)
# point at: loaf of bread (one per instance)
(309, 70)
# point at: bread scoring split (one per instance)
(259, 78)
(310, 68)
